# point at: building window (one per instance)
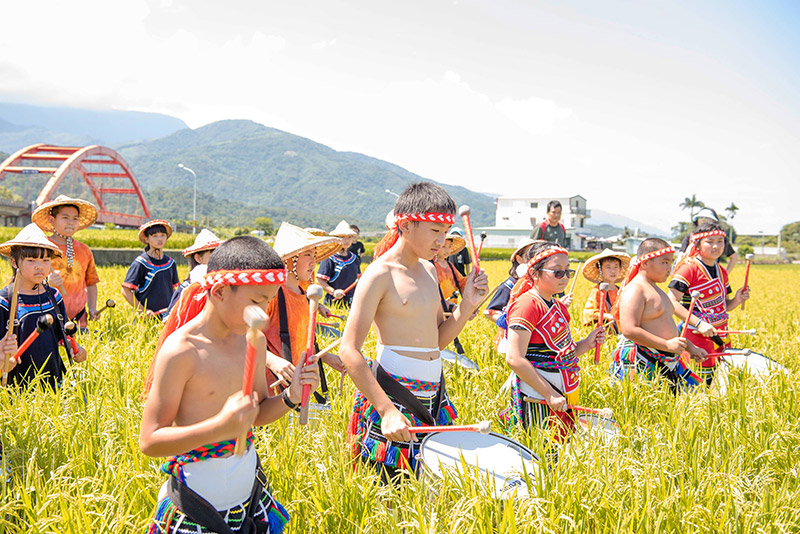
(505, 218)
(534, 204)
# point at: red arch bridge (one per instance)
(41, 172)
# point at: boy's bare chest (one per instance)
(658, 304)
(412, 296)
(216, 377)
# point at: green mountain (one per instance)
(246, 170)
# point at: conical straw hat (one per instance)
(87, 212)
(343, 230)
(591, 269)
(30, 236)
(458, 242)
(205, 240)
(292, 240)
(523, 245)
(154, 222)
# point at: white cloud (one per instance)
(320, 45)
(536, 115)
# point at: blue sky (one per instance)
(634, 105)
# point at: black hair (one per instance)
(707, 227)
(602, 260)
(651, 244)
(155, 229)
(533, 250)
(56, 209)
(244, 252)
(425, 197)
(355, 228)
(553, 204)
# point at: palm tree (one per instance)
(691, 204)
(731, 210)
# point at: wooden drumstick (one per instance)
(320, 353)
(12, 318)
(256, 321)
(480, 247)
(484, 427)
(109, 304)
(464, 212)
(605, 413)
(749, 258)
(313, 293)
(604, 287)
(695, 296)
(577, 273)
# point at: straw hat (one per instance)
(458, 242)
(87, 212)
(343, 230)
(205, 240)
(591, 269)
(316, 231)
(293, 241)
(30, 236)
(154, 222)
(523, 245)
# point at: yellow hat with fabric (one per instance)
(292, 240)
(87, 212)
(591, 269)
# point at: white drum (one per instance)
(754, 364)
(496, 460)
(458, 359)
(602, 427)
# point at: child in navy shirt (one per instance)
(30, 252)
(153, 276)
(340, 271)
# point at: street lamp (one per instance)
(194, 204)
(392, 193)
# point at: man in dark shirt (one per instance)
(551, 229)
(357, 248)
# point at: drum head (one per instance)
(458, 359)
(601, 427)
(490, 457)
(754, 364)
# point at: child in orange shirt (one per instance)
(609, 267)
(74, 274)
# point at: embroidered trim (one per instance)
(701, 235)
(446, 218)
(552, 251)
(244, 278)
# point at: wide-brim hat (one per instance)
(87, 212)
(458, 242)
(705, 213)
(292, 240)
(30, 236)
(316, 231)
(524, 243)
(343, 230)
(591, 269)
(205, 240)
(154, 222)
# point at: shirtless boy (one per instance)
(399, 293)
(196, 399)
(645, 313)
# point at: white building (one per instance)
(515, 218)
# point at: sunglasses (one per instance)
(561, 273)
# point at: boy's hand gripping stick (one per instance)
(749, 258)
(314, 293)
(12, 317)
(464, 212)
(43, 323)
(695, 296)
(604, 287)
(256, 320)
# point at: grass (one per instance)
(698, 463)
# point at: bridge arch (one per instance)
(93, 172)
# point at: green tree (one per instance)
(264, 224)
(691, 204)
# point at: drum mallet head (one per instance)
(314, 292)
(746, 352)
(110, 303)
(748, 257)
(70, 328)
(695, 294)
(464, 210)
(484, 427)
(605, 286)
(483, 236)
(255, 318)
(752, 332)
(44, 322)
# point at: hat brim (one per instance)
(155, 222)
(591, 269)
(201, 248)
(324, 249)
(459, 243)
(87, 213)
(5, 248)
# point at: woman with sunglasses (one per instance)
(541, 352)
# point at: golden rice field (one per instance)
(698, 463)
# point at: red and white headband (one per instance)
(655, 254)
(255, 277)
(552, 251)
(444, 218)
(701, 235)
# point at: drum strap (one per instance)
(400, 394)
(286, 347)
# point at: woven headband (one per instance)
(255, 277)
(445, 218)
(552, 251)
(701, 235)
(655, 254)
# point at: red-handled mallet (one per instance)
(464, 212)
(484, 427)
(256, 321)
(480, 247)
(606, 413)
(749, 258)
(43, 323)
(751, 332)
(604, 288)
(351, 286)
(695, 296)
(12, 317)
(313, 293)
(71, 329)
